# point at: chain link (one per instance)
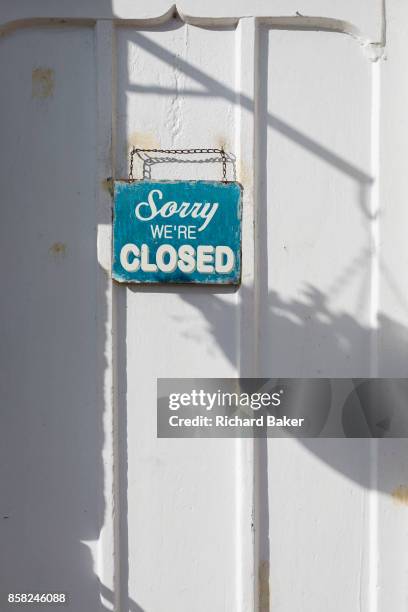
(137, 152)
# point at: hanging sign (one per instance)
(177, 232)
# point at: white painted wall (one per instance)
(91, 502)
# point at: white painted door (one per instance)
(91, 503)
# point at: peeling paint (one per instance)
(263, 581)
(400, 495)
(58, 249)
(42, 82)
(174, 111)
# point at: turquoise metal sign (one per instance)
(177, 232)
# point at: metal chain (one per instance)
(137, 152)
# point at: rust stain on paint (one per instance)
(107, 185)
(42, 82)
(143, 140)
(221, 143)
(140, 140)
(244, 174)
(58, 249)
(263, 581)
(400, 495)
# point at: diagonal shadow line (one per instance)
(220, 90)
(168, 91)
(128, 606)
(393, 285)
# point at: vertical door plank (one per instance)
(315, 305)
(51, 441)
(176, 88)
